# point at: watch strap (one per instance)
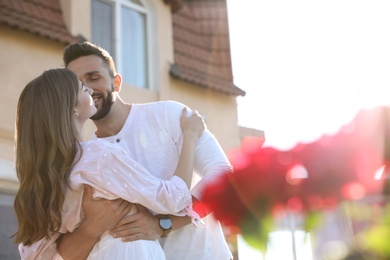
(165, 230)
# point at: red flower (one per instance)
(309, 177)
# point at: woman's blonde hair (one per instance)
(46, 149)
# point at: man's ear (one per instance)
(118, 82)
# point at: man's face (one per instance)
(92, 72)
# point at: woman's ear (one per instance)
(117, 82)
(75, 113)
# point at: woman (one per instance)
(53, 164)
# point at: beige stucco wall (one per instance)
(77, 16)
(218, 109)
(25, 56)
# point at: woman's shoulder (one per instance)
(97, 151)
(99, 146)
(96, 142)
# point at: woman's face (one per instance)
(85, 105)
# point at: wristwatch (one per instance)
(165, 223)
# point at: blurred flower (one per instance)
(306, 179)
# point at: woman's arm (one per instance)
(192, 127)
(119, 176)
(98, 221)
(113, 174)
(100, 216)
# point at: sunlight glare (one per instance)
(308, 66)
(279, 247)
(295, 175)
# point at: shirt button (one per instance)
(118, 140)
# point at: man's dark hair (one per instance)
(77, 50)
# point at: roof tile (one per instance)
(41, 17)
(201, 46)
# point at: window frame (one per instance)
(149, 12)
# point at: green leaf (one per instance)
(256, 231)
(312, 220)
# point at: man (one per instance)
(151, 134)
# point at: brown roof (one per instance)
(200, 31)
(202, 46)
(41, 17)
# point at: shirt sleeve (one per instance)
(210, 162)
(210, 159)
(113, 174)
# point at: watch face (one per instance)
(166, 223)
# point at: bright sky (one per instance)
(308, 65)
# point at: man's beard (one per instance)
(105, 108)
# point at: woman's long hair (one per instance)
(46, 148)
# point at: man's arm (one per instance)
(144, 225)
(100, 216)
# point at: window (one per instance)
(123, 28)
